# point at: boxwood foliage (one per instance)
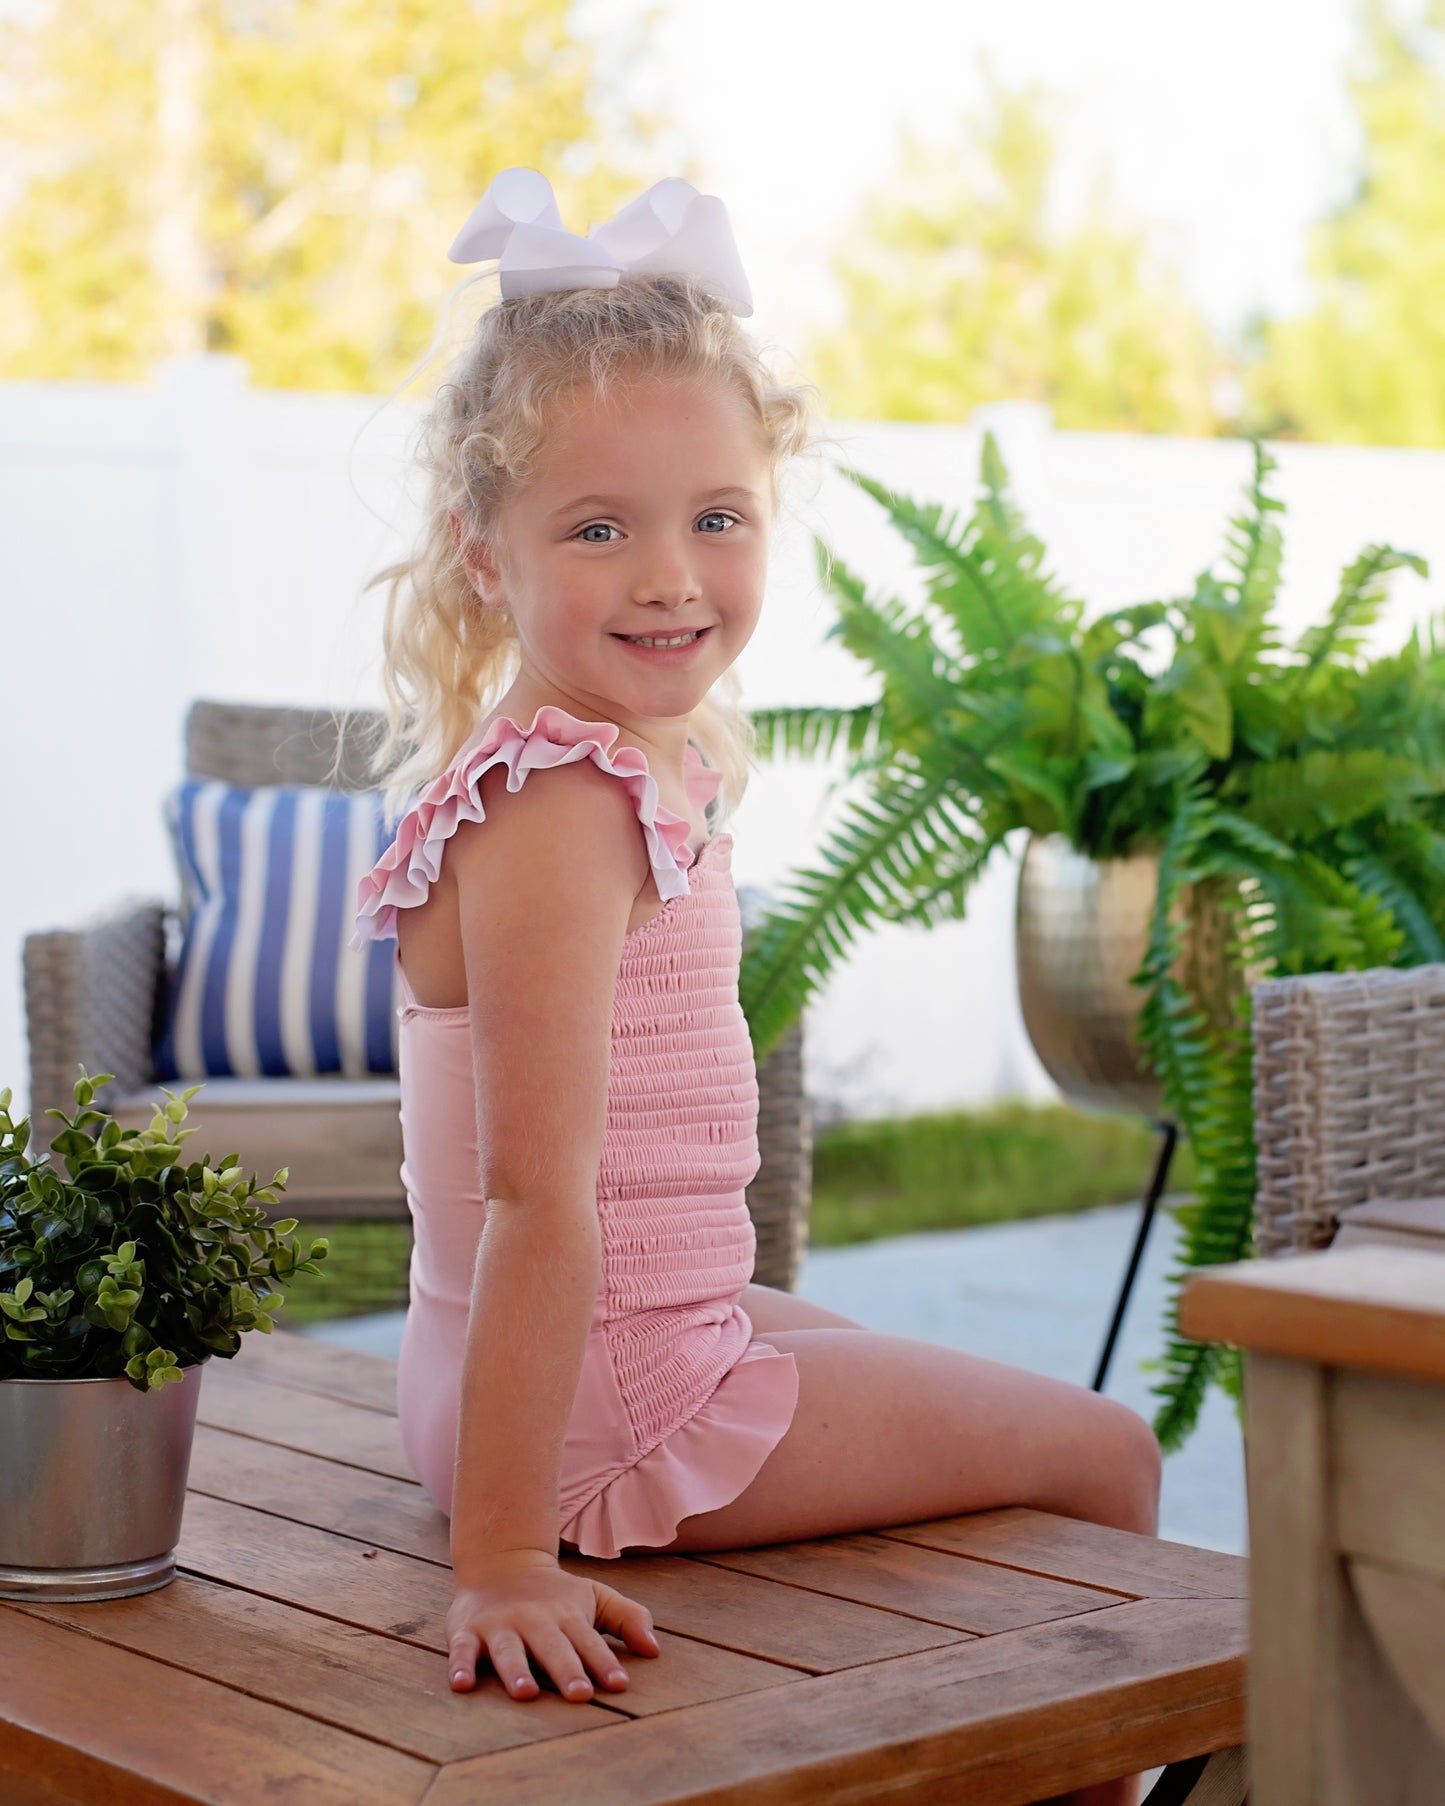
(128, 1258)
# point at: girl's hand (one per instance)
(524, 1599)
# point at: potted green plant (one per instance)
(1264, 807)
(120, 1276)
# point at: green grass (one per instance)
(870, 1180)
(966, 1167)
(364, 1271)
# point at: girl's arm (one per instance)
(545, 888)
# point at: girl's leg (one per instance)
(768, 1308)
(891, 1430)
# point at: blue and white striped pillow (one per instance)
(266, 985)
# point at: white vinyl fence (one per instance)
(197, 537)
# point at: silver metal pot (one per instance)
(92, 1485)
(1082, 927)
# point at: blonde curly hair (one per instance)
(447, 658)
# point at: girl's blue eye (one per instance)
(717, 515)
(596, 526)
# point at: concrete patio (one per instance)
(1037, 1294)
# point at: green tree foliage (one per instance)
(959, 289)
(276, 180)
(1365, 363)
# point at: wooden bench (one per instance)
(298, 1656)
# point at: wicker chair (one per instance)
(95, 994)
(1349, 1110)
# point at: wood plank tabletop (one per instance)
(300, 1653)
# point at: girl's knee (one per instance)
(1137, 1466)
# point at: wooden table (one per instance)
(1344, 1391)
(299, 1655)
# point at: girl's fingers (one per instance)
(627, 1619)
(554, 1650)
(509, 1658)
(466, 1646)
(600, 1657)
(560, 1648)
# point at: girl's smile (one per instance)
(668, 649)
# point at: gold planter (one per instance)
(1082, 927)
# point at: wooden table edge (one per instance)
(1368, 1306)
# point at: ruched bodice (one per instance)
(679, 1147)
(677, 1405)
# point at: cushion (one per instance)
(340, 1138)
(265, 985)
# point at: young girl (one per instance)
(586, 1365)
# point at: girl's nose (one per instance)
(668, 579)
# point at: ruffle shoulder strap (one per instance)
(408, 868)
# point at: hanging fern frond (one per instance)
(809, 733)
(1169, 1023)
(1312, 906)
(1255, 553)
(918, 678)
(1376, 936)
(943, 897)
(998, 519)
(1362, 594)
(1108, 633)
(984, 576)
(1411, 848)
(1321, 790)
(1307, 902)
(1423, 943)
(865, 872)
(1205, 1073)
(1217, 1228)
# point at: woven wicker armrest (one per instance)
(1349, 1097)
(779, 1196)
(92, 998)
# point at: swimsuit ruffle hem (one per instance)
(704, 1464)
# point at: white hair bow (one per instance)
(671, 230)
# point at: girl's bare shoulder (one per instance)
(558, 859)
(572, 820)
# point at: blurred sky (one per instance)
(1227, 122)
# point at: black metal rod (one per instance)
(1175, 1785)
(1168, 1136)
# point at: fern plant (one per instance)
(1297, 790)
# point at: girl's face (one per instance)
(633, 558)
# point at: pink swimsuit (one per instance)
(677, 1406)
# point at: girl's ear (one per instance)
(477, 561)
